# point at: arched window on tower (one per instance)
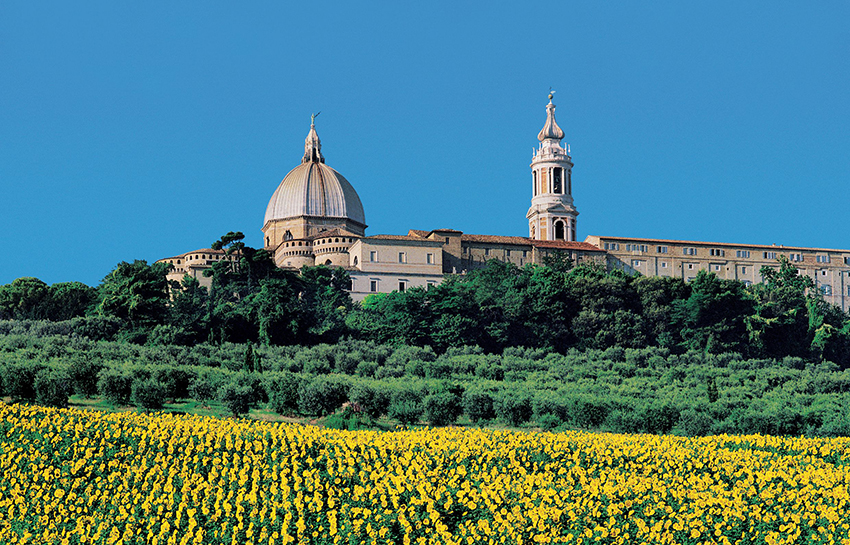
(557, 186)
(287, 235)
(560, 232)
(534, 177)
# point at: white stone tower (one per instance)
(552, 215)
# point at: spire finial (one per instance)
(312, 144)
(551, 130)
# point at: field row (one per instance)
(70, 476)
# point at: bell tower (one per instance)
(552, 215)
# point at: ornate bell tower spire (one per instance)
(312, 144)
(552, 215)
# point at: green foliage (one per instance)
(19, 380)
(52, 388)
(514, 408)
(83, 374)
(322, 395)
(442, 408)
(237, 397)
(115, 385)
(283, 388)
(406, 406)
(149, 393)
(478, 406)
(371, 400)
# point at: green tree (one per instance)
(25, 298)
(135, 292)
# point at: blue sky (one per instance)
(143, 130)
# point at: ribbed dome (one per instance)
(315, 189)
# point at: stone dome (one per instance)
(314, 189)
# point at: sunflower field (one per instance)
(70, 476)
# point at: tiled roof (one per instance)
(564, 245)
(724, 244)
(201, 251)
(495, 239)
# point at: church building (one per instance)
(315, 217)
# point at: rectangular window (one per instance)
(612, 246)
(690, 266)
(373, 286)
(826, 289)
(689, 251)
(429, 259)
(748, 283)
(717, 268)
(373, 256)
(795, 257)
(447, 240)
(402, 257)
(486, 251)
(661, 249)
(823, 272)
(525, 254)
(822, 259)
(507, 253)
(663, 264)
(716, 252)
(635, 263)
(742, 253)
(351, 285)
(402, 285)
(770, 255)
(743, 270)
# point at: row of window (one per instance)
(541, 185)
(716, 252)
(402, 257)
(402, 284)
(488, 252)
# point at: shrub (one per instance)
(347, 419)
(19, 381)
(588, 412)
(115, 386)
(478, 406)
(236, 397)
(83, 373)
(149, 393)
(321, 396)
(205, 385)
(52, 388)
(366, 368)
(658, 418)
(405, 406)
(549, 421)
(694, 423)
(283, 392)
(442, 408)
(174, 379)
(514, 409)
(374, 402)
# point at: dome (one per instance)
(314, 189)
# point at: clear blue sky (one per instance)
(147, 129)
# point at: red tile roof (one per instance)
(725, 244)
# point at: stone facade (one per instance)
(829, 268)
(315, 217)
